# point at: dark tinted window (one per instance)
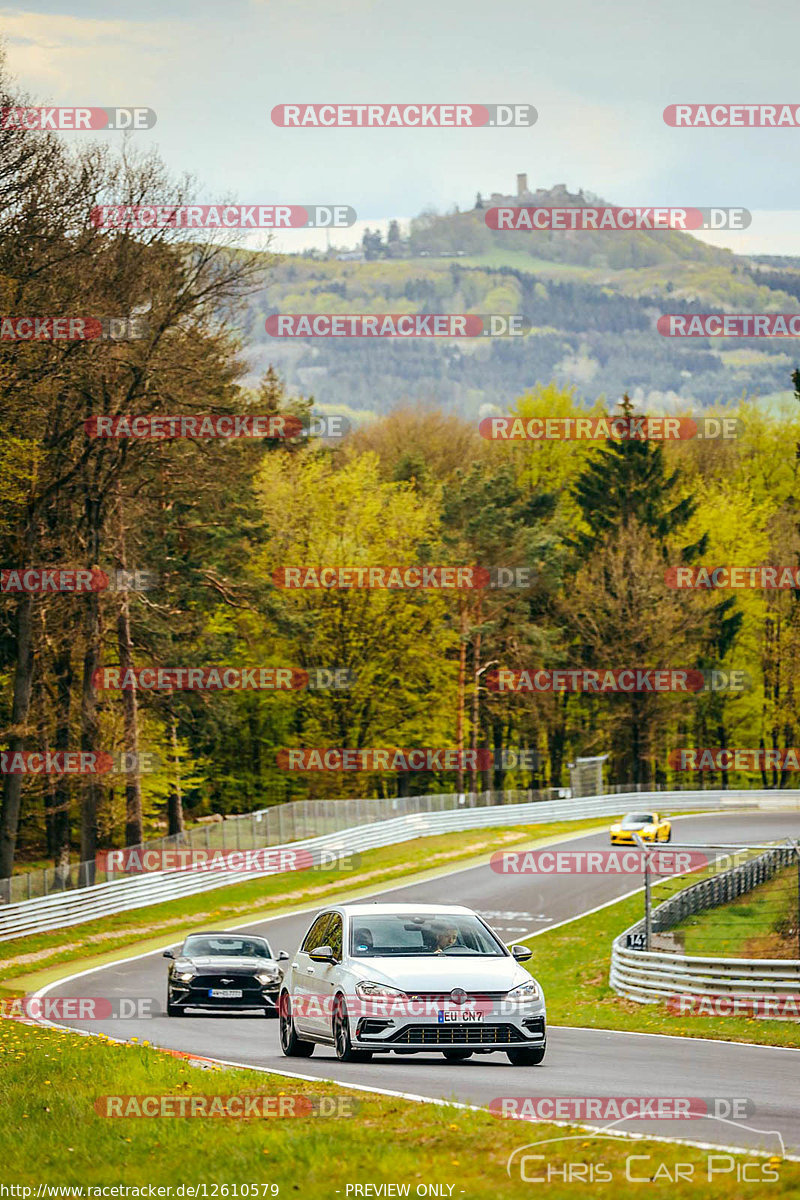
(335, 935)
(199, 946)
(318, 933)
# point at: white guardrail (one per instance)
(74, 906)
(652, 976)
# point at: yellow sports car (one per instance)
(649, 826)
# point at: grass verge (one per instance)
(30, 960)
(572, 964)
(51, 1081)
(761, 924)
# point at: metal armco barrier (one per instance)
(649, 976)
(74, 906)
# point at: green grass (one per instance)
(761, 924)
(94, 942)
(497, 258)
(572, 964)
(50, 1082)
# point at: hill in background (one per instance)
(593, 299)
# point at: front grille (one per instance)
(246, 982)
(457, 1035)
(443, 998)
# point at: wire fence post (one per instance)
(648, 914)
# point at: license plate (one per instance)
(459, 1016)
(225, 994)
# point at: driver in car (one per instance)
(445, 938)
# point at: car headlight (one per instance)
(368, 990)
(525, 991)
(269, 976)
(185, 975)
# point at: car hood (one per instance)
(218, 964)
(442, 974)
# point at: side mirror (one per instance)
(167, 954)
(282, 956)
(323, 954)
(521, 953)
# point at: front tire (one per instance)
(458, 1055)
(291, 1045)
(526, 1056)
(341, 1036)
(173, 1010)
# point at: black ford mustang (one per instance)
(223, 971)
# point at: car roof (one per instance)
(231, 933)
(376, 910)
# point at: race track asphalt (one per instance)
(579, 1062)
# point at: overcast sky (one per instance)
(599, 75)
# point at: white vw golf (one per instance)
(409, 979)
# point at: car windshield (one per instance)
(417, 935)
(634, 819)
(199, 946)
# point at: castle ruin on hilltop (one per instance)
(557, 195)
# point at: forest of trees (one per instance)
(595, 331)
(212, 520)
